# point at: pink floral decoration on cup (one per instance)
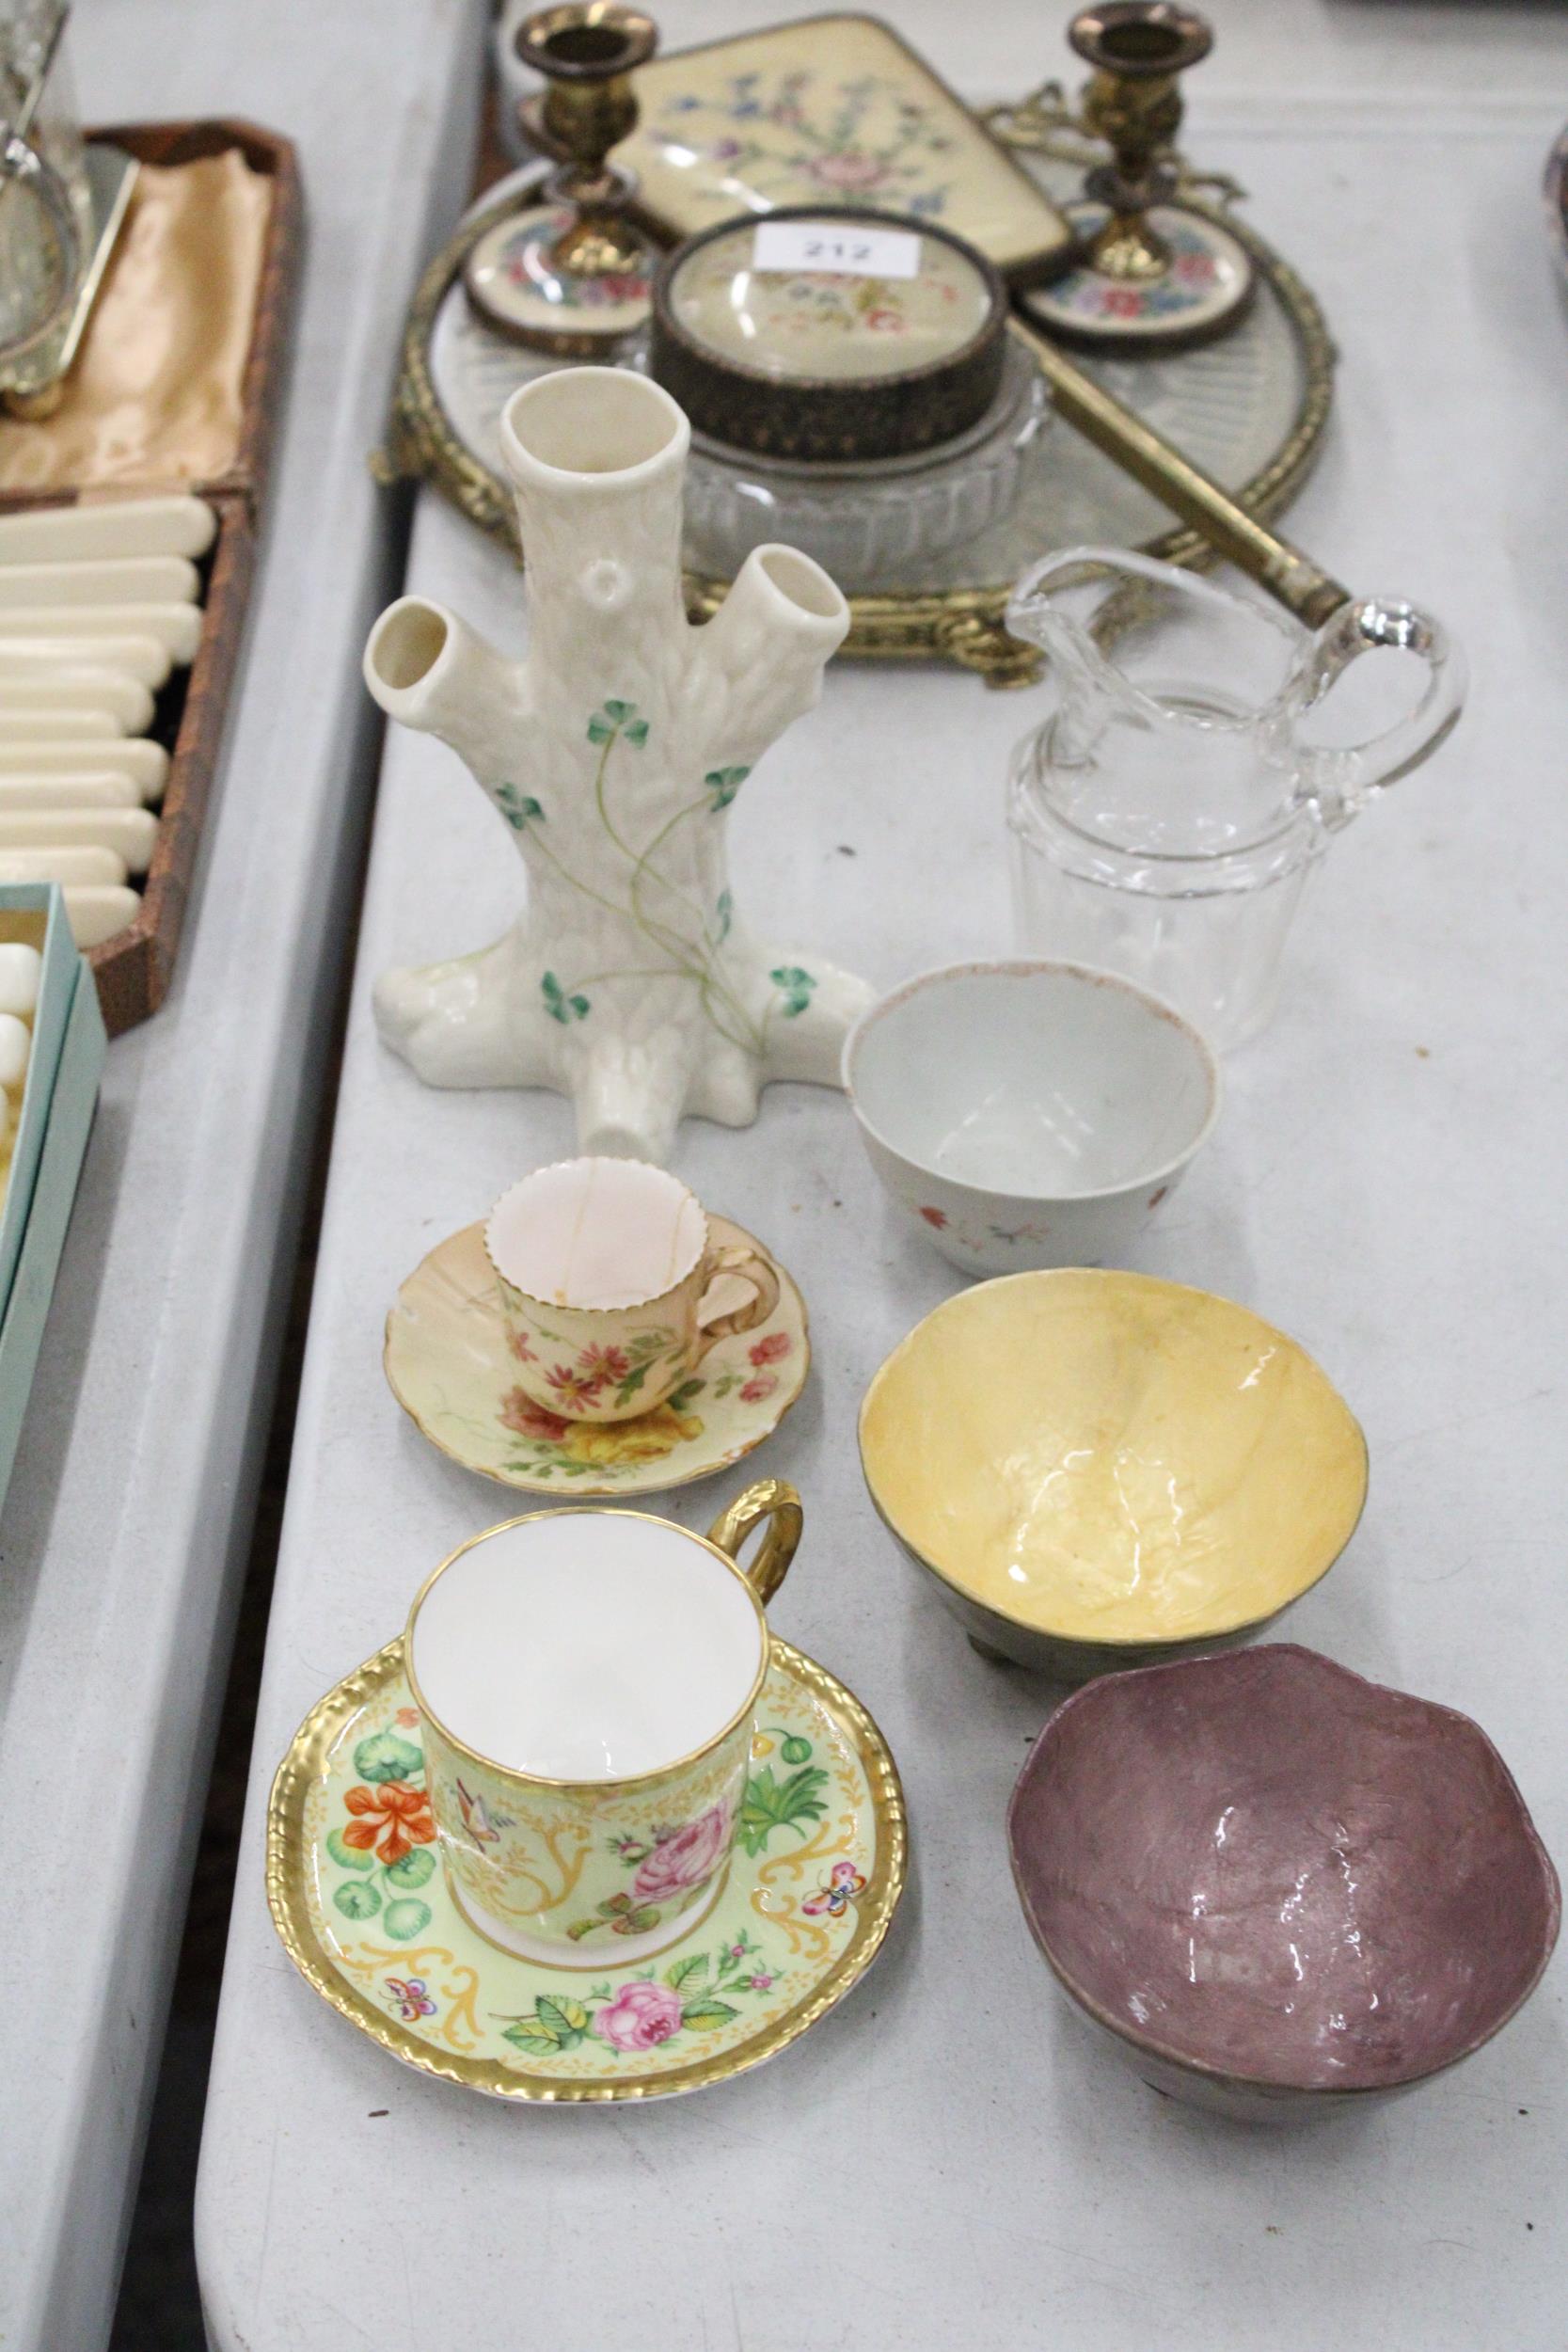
(758, 1391)
(641, 2016)
(771, 1349)
(684, 1859)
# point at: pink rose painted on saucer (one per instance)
(685, 1858)
(640, 2017)
(520, 1412)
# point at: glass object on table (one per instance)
(828, 335)
(877, 523)
(1167, 815)
(45, 204)
(1247, 406)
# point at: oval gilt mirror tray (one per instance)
(1249, 408)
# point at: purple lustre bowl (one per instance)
(1281, 1888)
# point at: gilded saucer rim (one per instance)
(305, 1762)
(655, 1478)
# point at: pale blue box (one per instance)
(68, 1047)
(37, 903)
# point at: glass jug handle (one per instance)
(1343, 779)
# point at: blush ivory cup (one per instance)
(587, 1681)
(1029, 1114)
(605, 1269)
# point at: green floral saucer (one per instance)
(362, 1906)
(449, 1365)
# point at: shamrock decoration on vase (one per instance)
(613, 752)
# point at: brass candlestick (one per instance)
(1154, 272)
(1133, 102)
(571, 275)
(587, 49)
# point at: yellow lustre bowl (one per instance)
(1105, 1471)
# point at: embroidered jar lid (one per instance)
(829, 334)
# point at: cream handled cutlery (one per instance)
(123, 580)
(97, 911)
(176, 626)
(87, 864)
(111, 530)
(129, 831)
(40, 724)
(70, 688)
(98, 603)
(107, 788)
(134, 654)
(146, 765)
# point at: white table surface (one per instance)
(948, 2160)
(129, 1514)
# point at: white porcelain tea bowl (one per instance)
(1029, 1114)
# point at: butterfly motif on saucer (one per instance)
(835, 1894)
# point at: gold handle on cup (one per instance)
(770, 1498)
(764, 1277)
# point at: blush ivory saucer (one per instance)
(449, 1365)
(362, 1906)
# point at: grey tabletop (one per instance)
(128, 1517)
(948, 2160)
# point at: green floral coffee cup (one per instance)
(587, 1681)
(604, 1269)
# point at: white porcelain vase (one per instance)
(612, 752)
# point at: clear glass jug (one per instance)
(1168, 813)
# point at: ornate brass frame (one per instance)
(960, 624)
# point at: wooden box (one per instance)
(132, 970)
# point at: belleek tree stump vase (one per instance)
(613, 752)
